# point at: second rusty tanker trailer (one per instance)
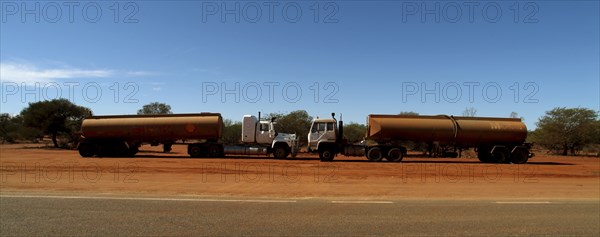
(123, 135)
(498, 140)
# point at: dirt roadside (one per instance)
(33, 169)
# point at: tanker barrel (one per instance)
(409, 128)
(152, 128)
(465, 131)
(483, 130)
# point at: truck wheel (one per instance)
(325, 155)
(519, 156)
(87, 150)
(132, 151)
(121, 150)
(167, 147)
(499, 156)
(105, 149)
(215, 151)
(394, 155)
(280, 152)
(484, 155)
(195, 151)
(375, 154)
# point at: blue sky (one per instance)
(349, 57)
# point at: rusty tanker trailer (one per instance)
(497, 140)
(122, 135)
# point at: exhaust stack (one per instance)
(340, 137)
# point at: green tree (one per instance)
(5, 127)
(470, 112)
(567, 129)
(12, 129)
(297, 122)
(155, 108)
(516, 115)
(232, 131)
(597, 132)
(54, 117)
(354, 132)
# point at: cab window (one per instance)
(330, 126)
(322, 127)
(264, 127)
(318, 127)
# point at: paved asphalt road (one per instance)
(193, 216)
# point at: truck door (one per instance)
(314, 135)
(321, 131)
(264, 134)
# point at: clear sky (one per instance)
(349, 57)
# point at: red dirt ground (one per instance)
(32, 168)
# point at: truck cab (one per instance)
(263, 133)
(326, 137)
(322, 131)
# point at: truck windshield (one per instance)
(330, 126)
(318, 127)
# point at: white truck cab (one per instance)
(326, 137)
(322, 131)
(256, 132)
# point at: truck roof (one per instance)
(324, 120)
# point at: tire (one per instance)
(195, 151)
(394, 155)
(280, 152)
(110, 149)
(499, 155)
(484, 155)
(167, 147)
(121, 150)
(215, 151)
(87, 150)
(519, 156)
(326, 155)
(102, 150)
(375, 154)
(132, 151)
